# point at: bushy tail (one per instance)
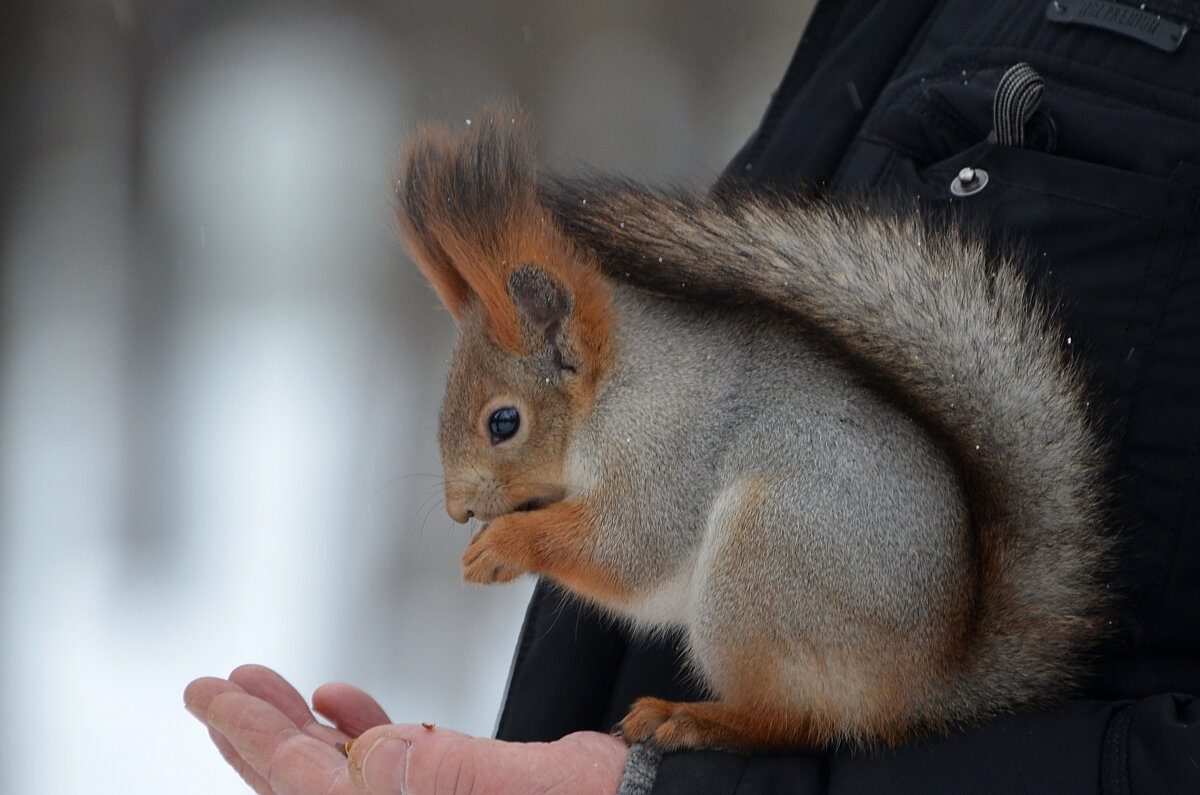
(956, 337)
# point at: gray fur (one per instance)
(863, 528)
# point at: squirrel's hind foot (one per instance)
(681, 725)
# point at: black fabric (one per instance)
(577, 669)
(840, 67)
(896, 96)
(568, 654)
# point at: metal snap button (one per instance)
(969, 181)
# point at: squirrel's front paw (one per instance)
(487, 558)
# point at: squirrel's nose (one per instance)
(458, 510)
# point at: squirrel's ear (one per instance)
(469, 209)
(542, 301)
(545, 306)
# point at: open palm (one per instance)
(266, 731)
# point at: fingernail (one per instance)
(383, 767)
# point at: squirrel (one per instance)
(842, 451)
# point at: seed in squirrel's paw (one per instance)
(427, 725)
(344, 748)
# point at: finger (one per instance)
(402, 758)
(276, 750)
(260, 681)
(350, 709)
(200, 692)
(196, 697)
(230, 755)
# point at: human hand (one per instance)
(267, 733)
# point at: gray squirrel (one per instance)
(841, 451)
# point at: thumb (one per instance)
(414, 760)
(378, 760)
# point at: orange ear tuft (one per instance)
(415, 189)
(469, 210)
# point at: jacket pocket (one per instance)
(1088, 230)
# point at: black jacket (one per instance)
(897, 95)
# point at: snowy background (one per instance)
(219, 376)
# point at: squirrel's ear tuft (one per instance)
(415, 188)
(468, 210)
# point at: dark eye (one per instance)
(503, 424)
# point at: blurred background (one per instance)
(219, 375)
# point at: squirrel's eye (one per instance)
(503, 424)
